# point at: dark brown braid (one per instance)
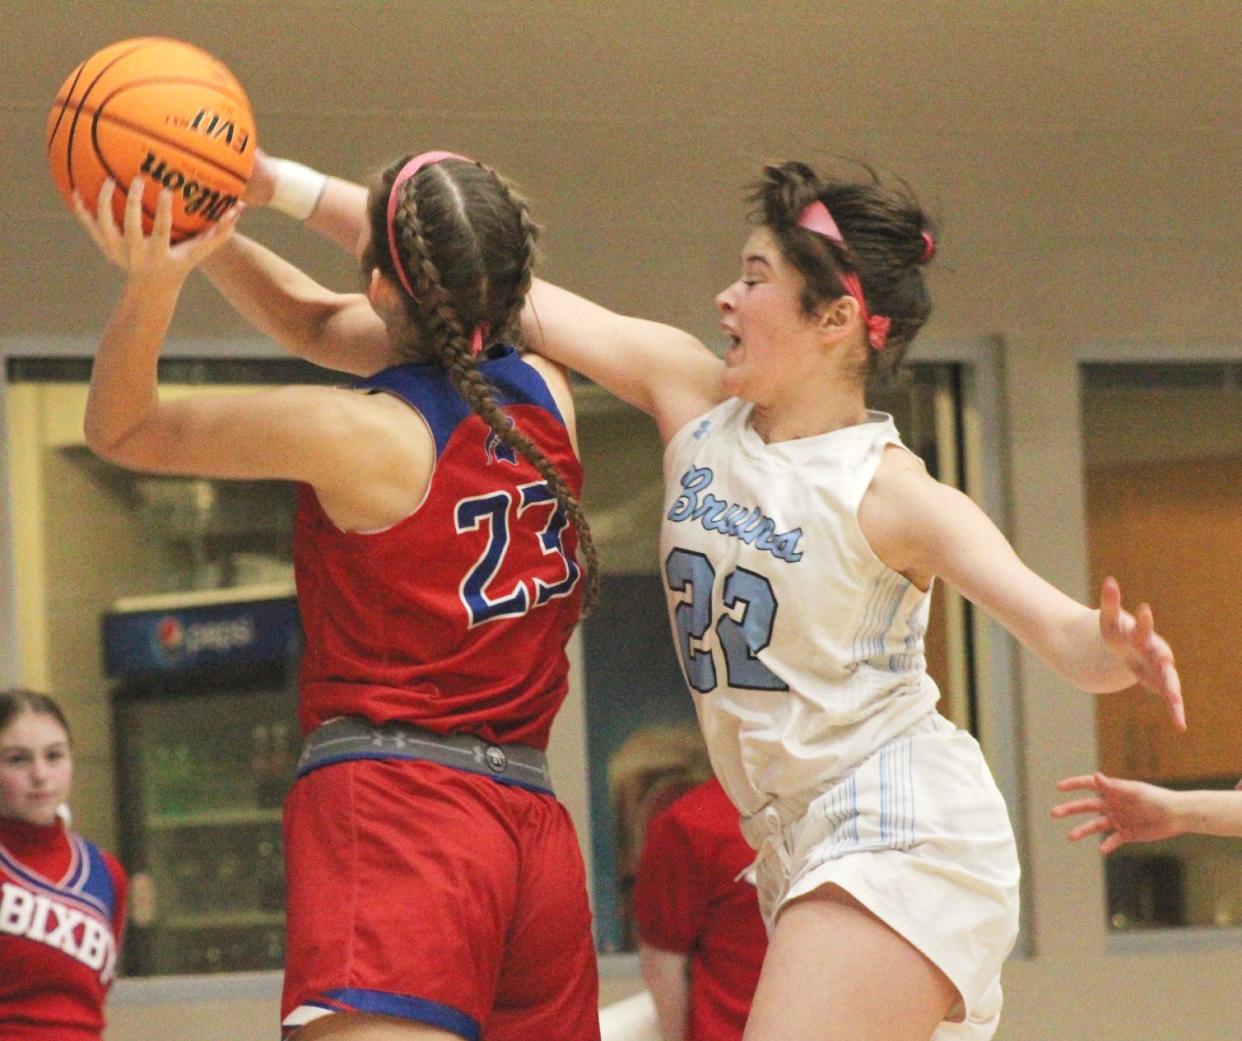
(484, 239)
(530, 232)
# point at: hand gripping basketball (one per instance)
(149, 258)
(161, 109)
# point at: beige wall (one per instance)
(1082, 158)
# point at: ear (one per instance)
(837, 317)
(381, 293)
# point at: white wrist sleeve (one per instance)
(297, 190)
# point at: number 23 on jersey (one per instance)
(486, 591)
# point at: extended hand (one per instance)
(1132, 637)
(1131, 811)
(149, 258)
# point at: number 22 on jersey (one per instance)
(743, 630)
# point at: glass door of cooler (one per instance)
(205, 756)
(205, 775)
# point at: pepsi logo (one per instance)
(170, 636)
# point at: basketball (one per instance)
(158, 108)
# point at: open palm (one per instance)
(1129, 811)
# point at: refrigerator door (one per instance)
(205, 753)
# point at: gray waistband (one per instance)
(348, 737)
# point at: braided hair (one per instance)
(467, 242)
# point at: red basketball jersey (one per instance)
(62, 905)
(455, 618)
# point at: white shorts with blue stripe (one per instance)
(917, 833)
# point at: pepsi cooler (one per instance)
(204, 718)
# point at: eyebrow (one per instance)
(54, 746)
(756, 258)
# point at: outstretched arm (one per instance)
(923, 528)
(1133, 811)
(663, 371)
(335, 208)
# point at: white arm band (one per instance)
(297, 190)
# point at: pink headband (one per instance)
(404, 174)
(816, 218)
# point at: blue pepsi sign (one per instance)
(209, 636)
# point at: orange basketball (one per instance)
(160, 108)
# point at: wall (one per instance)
(1081, 158)
(70, 549)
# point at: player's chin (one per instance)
(40, 811)
(734, 376)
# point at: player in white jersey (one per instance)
(800, 544)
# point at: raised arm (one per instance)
(296, 433)
(338, 331)
(663, 371)
(335, 330)
(923, 528)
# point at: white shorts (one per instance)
(917, 833)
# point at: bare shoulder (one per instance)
(900, 500)
(901, 480)
(383, 459)
(556, 376)
(369, 433)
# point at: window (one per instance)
(1163, 459)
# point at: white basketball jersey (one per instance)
(804, 651)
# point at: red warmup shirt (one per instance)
(689, 900)
(62, 906)
(455, 618)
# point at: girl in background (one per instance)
(62, 898)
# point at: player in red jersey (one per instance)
(62, 898)
(436, 888)
(702, 939)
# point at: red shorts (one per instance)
(439, 896)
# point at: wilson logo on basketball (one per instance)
(210, 202)
(158, 108)
(213, 125)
